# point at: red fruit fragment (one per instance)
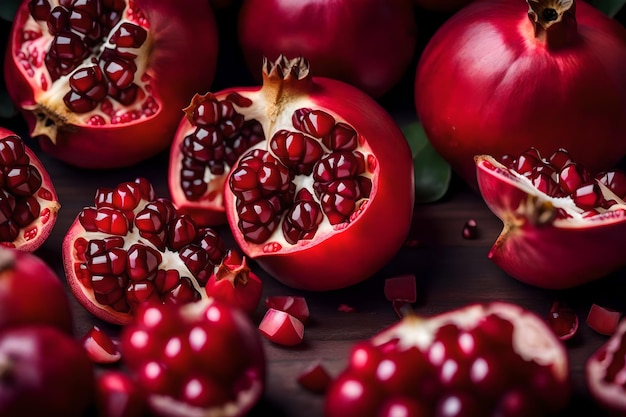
(346, 308)
(100, 346)
(117, 395)
(563, 321)
(281, 328)
(401, 288)
(315, 378)
(603, 320)
(294, 305)
(470, 229)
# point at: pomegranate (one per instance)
(198, 359)
(117, 395)
(327, 166)
(369, 44)
(43, 372)
(28, 201)
(502, 76)
(132, 247)
(102, 82)
(495, 359)
(561, 221)
(31, 293)
(604, 372)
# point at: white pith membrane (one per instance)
(49, 108)
(246, 399)
(541, 208)
(533, 340)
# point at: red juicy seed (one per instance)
(125, 96)
(342, 138)
(109, 284)
(110, 220)
(205, 144)
(181, 232)
(208, 343)
(400, 371)
(544, 183)
(23, 180)
(166, 280)
(560, 158)
(527, 161)
(296, 151)
(39, 9)
(99, 246)
(7, 205)
(143, 262)
(149, 221)
(141, 292)
(80, 21)
(571, 177)
(119, 71)
(615, 181)
(212, 243)
(78, 103)
(12, 151)
(587, 196)
(403, 406)
(126, 196)
(8, 231)
(90, 7)
(205, 113)
(250, 133)
(69, 47)
(129, 35)
(301, 221)
(112, 262)
(26, 211)
(183, 293)
(316, 123)
(103, 197)
(198, 262)
(57, 21)
(563, 321)
(337, 165)
(470, 229)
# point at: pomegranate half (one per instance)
(102, 82)
(563, 225)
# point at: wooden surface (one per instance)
(450, 270)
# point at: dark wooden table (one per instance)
(450, 271)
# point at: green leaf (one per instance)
(432, 172)
(609, 7)
(8, 9)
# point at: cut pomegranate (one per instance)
(315, 378)
(45, 372)
(308, 167)
(603, 320)
(117, 395)
(100, 347)
(472, 361)
(562, 224)
(102, 82)
(132, 247)
(28, 201)
(31, 293)
(281, 328)
(234, 283)
(563, 320)
(293, 305)
(198, 359)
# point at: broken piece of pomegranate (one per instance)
(281, 328)
(294, 305)
(602, 319)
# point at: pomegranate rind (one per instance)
(182, 61)
(609, 395)
(539, 250)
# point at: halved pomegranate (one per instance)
(324, 196)
(562, 224)
(132, 247)
(199, 359)
(102, 82)
(494, 359)
(28, 200)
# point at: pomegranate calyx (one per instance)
(233, 268)
(554, 22)
(283, 75)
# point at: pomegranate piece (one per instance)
(100, 347)
(560, 231)
(563, 320)
(133, 247)
(234, 283)
(480, 360)
(603, 320)
(31, 293)
(315, 378)
(117, 395)
(402, 292)
(300, 172)
(45, 372)
(281, 328)
(470, 229)
(28, 201)
(296, 306)
(101, 82)
(202, 358)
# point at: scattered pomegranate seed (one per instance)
(315, 378)
(281, 328)
(100, 346)
(294, 305)
(563, 321)
(603, 320)
(346, 308)
(401, 291)
(470, 229)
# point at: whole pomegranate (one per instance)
(494, 359)
(102, 82)
(43, 372)
(199, 359)
(315, 177)
(31, 293)
(28, 200)
(133, 247)
(368, 43)
(563, 223)
(501, 76)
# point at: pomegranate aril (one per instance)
(293, 305)
(22, 180)
(602, 319)
(58, 19)
(39, 9)
(315, 378)
(296, 151)
(470, 229)
(301, 221)
(78, 103)
(571, 177)
(615, 181)
(128, 35)
(342, 138)
(528, 160)
(560, 158)
(587, 196)
(100, 346)
(562, 320)
(142, 262)
(119, 71)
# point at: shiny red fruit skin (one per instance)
(369, 44)
(182, 61)
(485, 85)
(345, 257)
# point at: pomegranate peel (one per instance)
(562, 224)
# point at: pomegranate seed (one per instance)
(571, 177)
(615, 181)
(128, 35)
(315, 378)
(563, 321)
(587, 196)
(470, 229)
(603, 320)
(281, 328)
(293, 305)
(100, 347)
(346, 308)
(39, 9)
(316, 123)
(296, 151)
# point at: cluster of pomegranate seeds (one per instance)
(321, 149)
(94, 44)
(220, 137)
(559, 176)
(137, 248)
(20, 187)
